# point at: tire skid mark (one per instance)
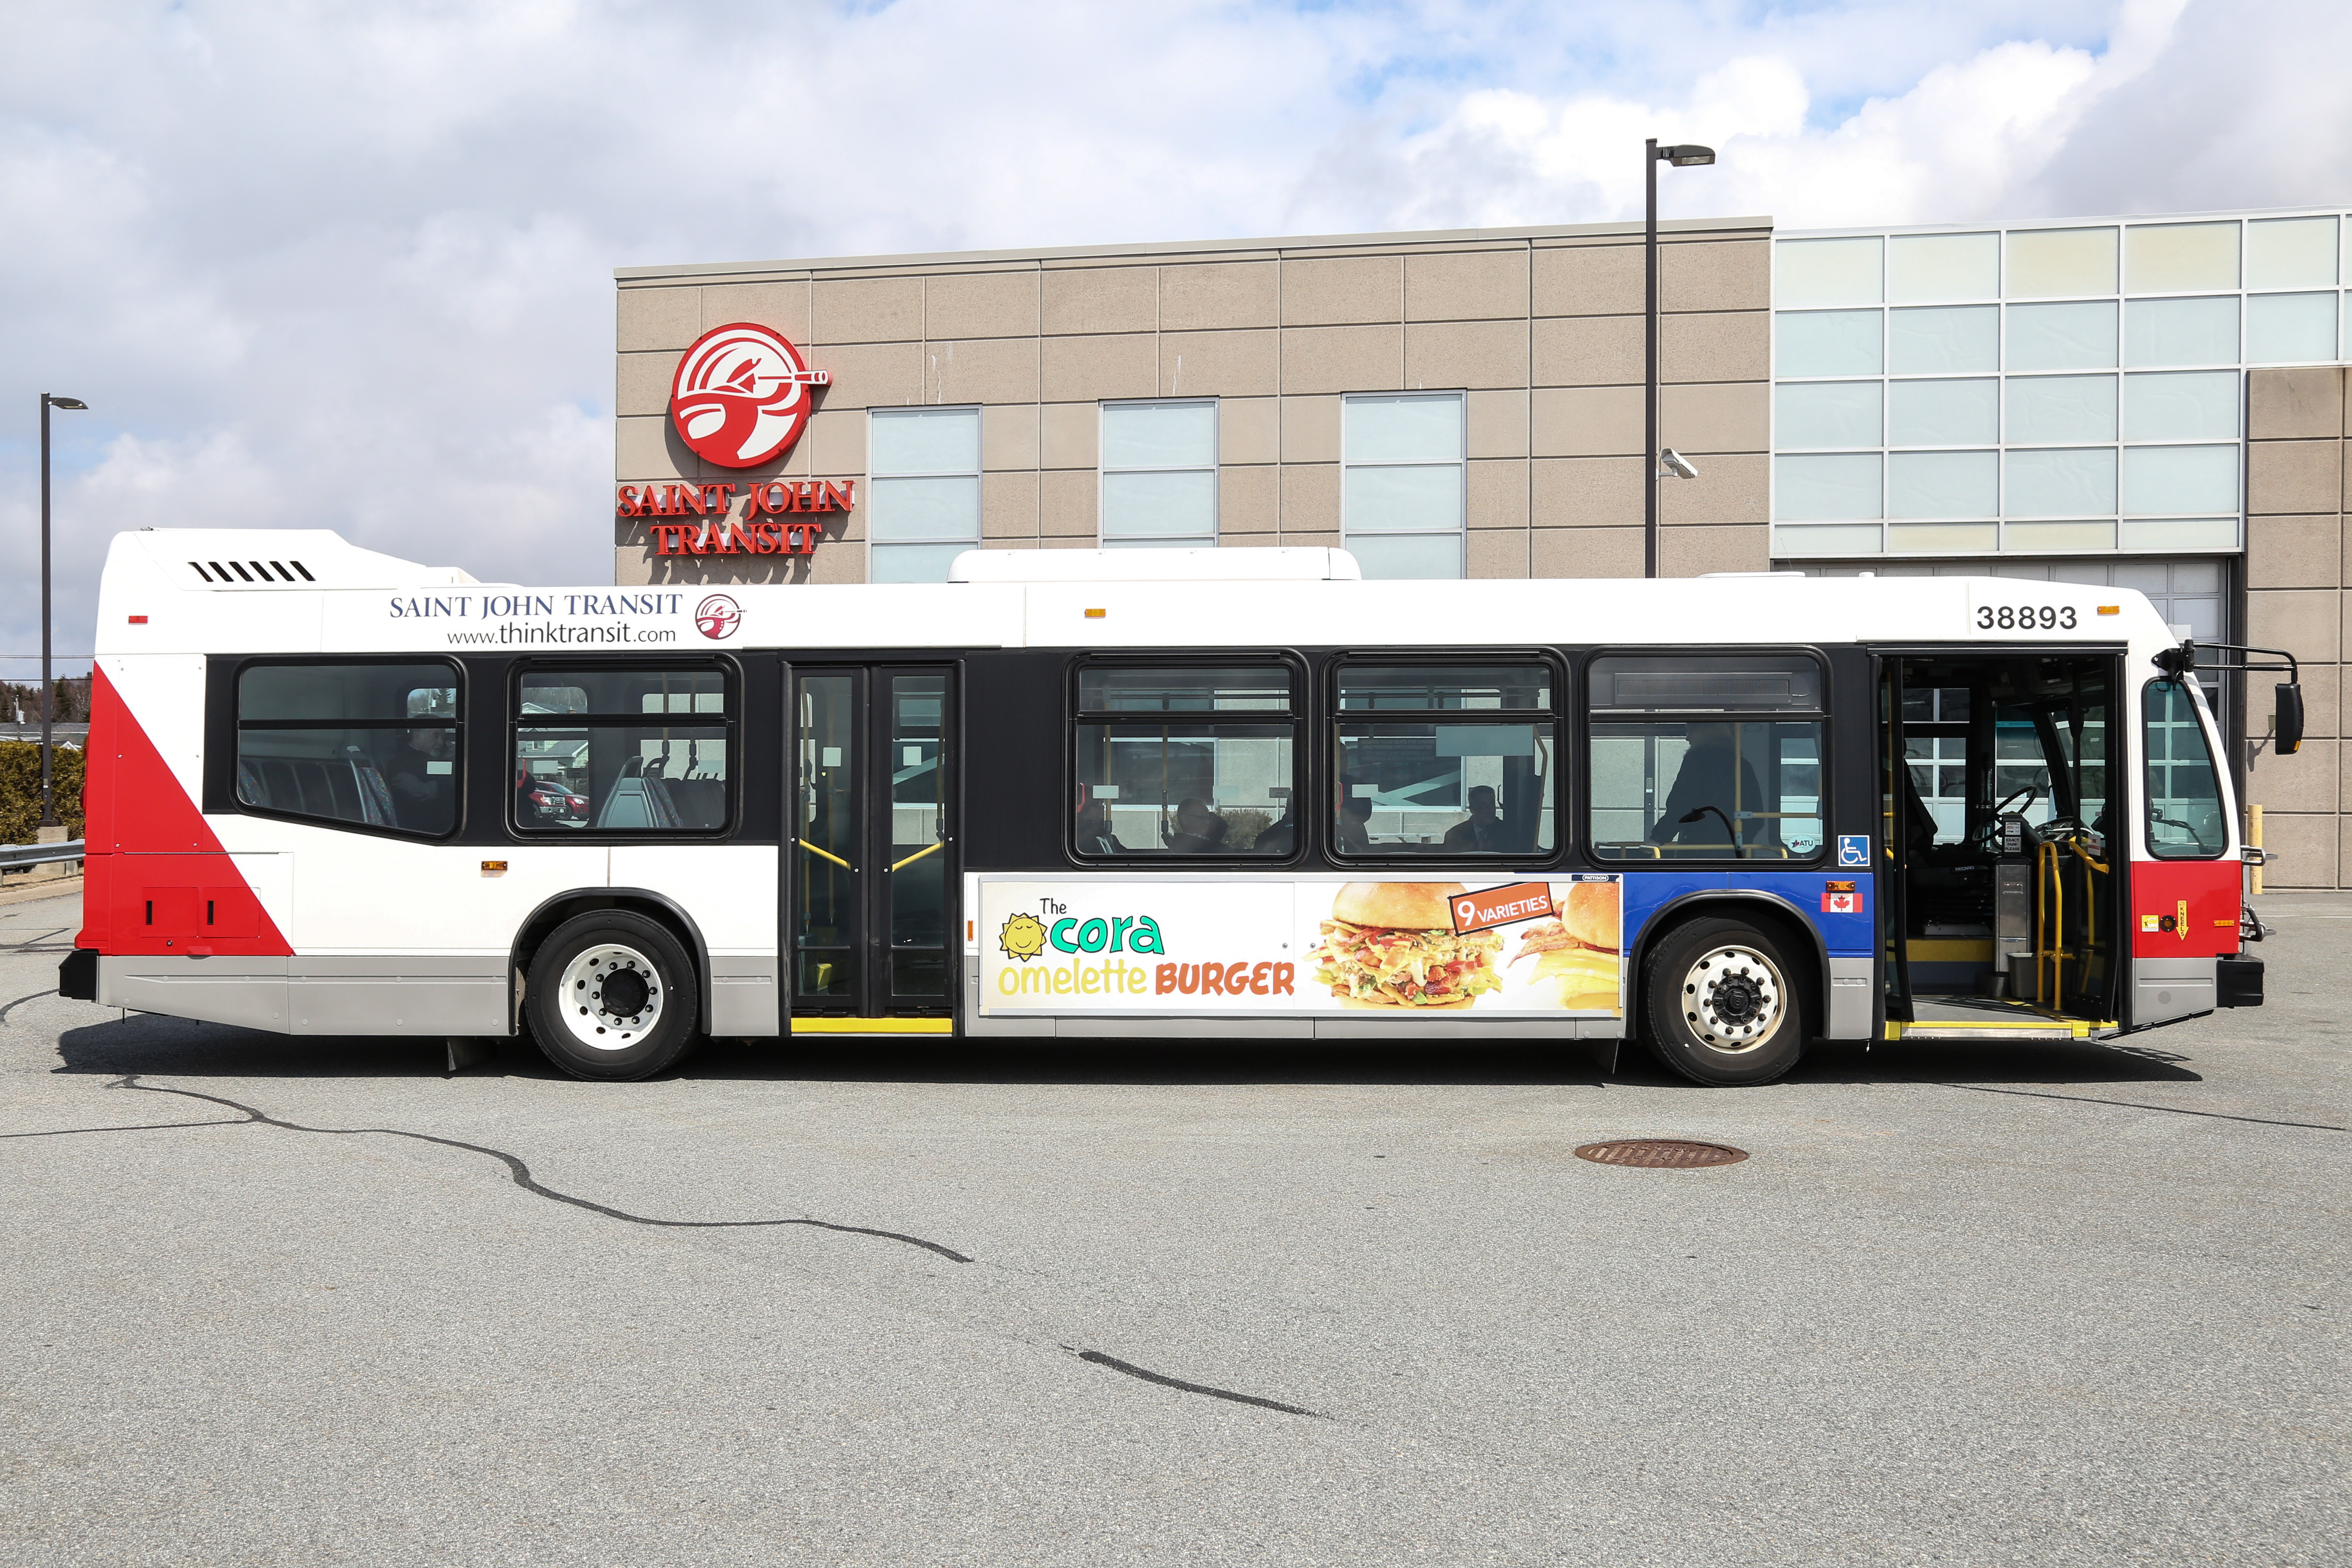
(1132, 1370)
(523, 1178)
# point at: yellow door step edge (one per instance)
(872, 1026)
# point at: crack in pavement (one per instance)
(1112, 1362)
(523, 1179)
(2139, 1105)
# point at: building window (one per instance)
(606, 750)
(1400, 489)
(1444, 760)
(359, 745)
(1159, 474)
(922, 491)
(1185, 761)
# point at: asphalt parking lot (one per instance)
(311, 1301)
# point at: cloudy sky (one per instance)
(350, 266)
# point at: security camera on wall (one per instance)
(1676, 464)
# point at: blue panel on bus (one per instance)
(1837, 901)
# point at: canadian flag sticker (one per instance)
(1840, 898)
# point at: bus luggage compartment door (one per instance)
(872, 850)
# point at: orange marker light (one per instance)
(1096, 615)
(494, 868)
(2110, 609)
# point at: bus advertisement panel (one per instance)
(1519, 949)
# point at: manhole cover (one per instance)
(1661, 1153)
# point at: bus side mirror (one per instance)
(2286, 720)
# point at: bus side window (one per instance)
(1174, 761)
(1706, 757)
(1444, 760)
(356, 744)
(607, 749)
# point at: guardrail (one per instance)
(14, 854)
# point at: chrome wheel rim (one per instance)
(612, 996)
(1733, 999)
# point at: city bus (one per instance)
(1126, 795)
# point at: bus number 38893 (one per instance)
(2026, 617)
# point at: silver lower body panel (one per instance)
(2163, 989)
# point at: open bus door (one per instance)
(871, 885)
(2002, 787)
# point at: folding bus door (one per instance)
(873, 886)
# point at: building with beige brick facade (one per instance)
(2151, 402)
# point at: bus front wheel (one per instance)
(611, 995)
(1723, 1010)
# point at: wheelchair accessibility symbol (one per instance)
(1854, 849)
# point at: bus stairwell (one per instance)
(2005, 919)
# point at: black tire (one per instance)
(573, 1012)
(1726, 1007)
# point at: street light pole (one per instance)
(49, 804)
(1681, 157)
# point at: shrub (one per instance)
(20, 789)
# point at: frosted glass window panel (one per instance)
(901, 510)
(2196, 405)
(2060, 481)
(2160, 480)
(1827, 342)
(2099, 535)
(2181, 533)
(1943, 538)
(2046, 263)
(1158, 434)
(1942, 413)
(1401, 499)
(1943, 266)
(912, 562)
(1825, 489)
(2063, 337)
(1408, 556)
(923, 441)
(1411, 429)
(2290, 253)
(2181, 331)
(2048, 409)
(1826, 414)
(1178, 505)
(1938, 342)
(2290, 329)
(1841, 539)
(1827, 271)
(1943, 485)
(2176, 258)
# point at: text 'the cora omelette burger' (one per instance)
(1392, 944)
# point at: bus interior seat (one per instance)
(347, 788)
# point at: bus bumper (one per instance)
(2238, 980)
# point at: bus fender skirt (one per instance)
(1685, 904)
(698, 950)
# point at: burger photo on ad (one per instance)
(1392, 944)
(1576, 955)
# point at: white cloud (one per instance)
(319, 266)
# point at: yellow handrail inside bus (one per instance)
(928, 849)
(2051, 950)
(827, 853)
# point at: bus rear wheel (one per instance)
(611, 995)
(1722, 1009)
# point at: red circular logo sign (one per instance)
(742, 395)
(718, 616)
